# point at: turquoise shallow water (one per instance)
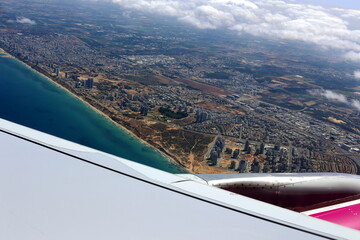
(31, 100)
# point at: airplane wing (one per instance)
(55, 189)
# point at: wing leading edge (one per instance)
(55, 189)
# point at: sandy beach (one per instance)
(6, 54)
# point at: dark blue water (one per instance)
(31, 100)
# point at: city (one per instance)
(212, 106)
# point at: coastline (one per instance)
(127, 131)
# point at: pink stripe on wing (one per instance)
(348, 216)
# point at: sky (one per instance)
(354, 4)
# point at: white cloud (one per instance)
(348, 13)
(357, 74)
(355, 104)
(25, 20)
(352, 56)
(208, 17)
(330, 95)
(337, 97)
(328, 27)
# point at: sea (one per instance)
(29, 99)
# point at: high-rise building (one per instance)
(202, 116)
(213, 157)
(242, 166)
(232, 165)
(262, 148)
(228, 151)
(144, 111)
(89, 83)
(246, 146)
(255, 166)
(57, 72)
(236, 153)
(248, 150)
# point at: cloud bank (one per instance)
(327, 27)
(24, 20)
(337, 97)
